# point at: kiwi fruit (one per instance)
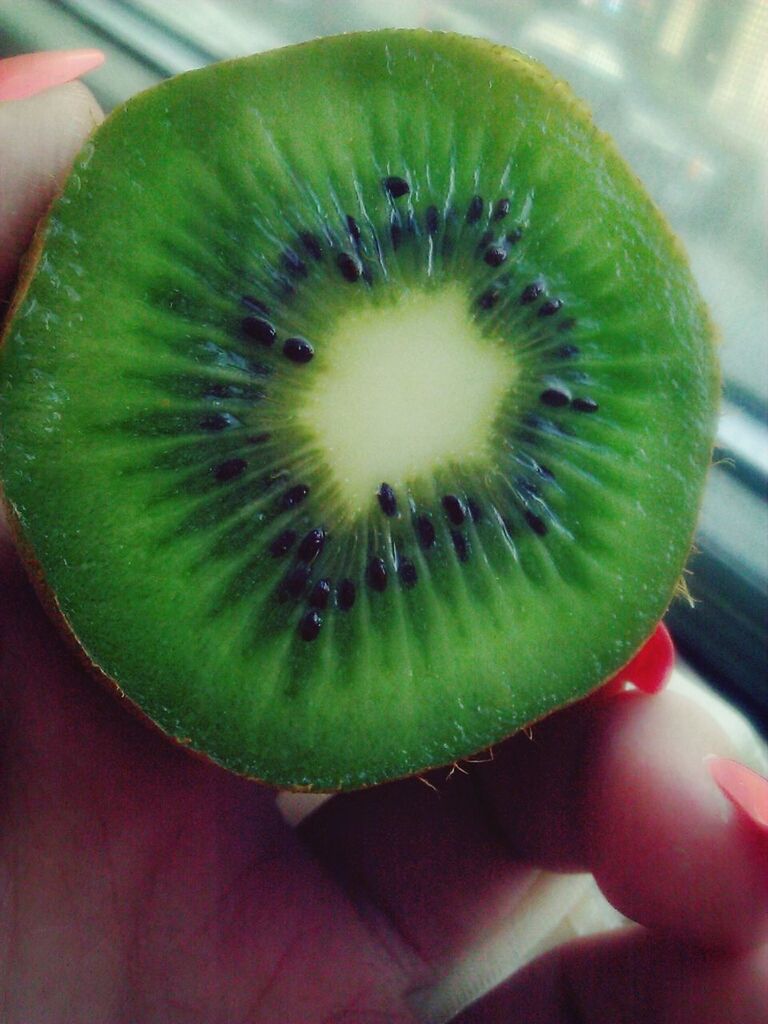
(356, 406)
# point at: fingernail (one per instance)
(32, 73)
(746, 789)
(650, 668)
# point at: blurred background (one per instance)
(682, 85)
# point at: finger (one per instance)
(108, 830)
(619, 787)
(629, 977)
(624, 790)
(39, 138)
(426, 858)
(31, 73)
(431, 856)
(649, 670)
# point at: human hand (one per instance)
(140, 884)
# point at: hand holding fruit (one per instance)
(139, 884)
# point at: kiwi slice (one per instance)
(356, 407)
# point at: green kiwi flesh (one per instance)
(358, 407)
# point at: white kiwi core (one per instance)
(404, 390)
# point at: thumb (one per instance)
(39, 139)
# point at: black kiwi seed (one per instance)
(501, 209)
(294, 496)
(354, 229)
(346, 594)
(495, 256)
(350, 268)
(536, 523)
(425, 531)
(514, 236)
(489, 298)
(433, 220)
(567, 351)
(298, 350)
(531, 292)
(406, 570)
(460, 545)
(312, 544)
(387, 500)
(396, 186)
(294, 264)
(376, 574)
(230, 469)
(252, 303)
(296, 580)
(554, 397)
(312, 244)
(258, 438)
(320, 594)
(282, 543)
(454, 509)
(550, 307)
(475, 209)
(216, 421)
(258, 330)
(310, 625)
(584, 405)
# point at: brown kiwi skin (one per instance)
(47, 597)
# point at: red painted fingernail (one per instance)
(32, 73)
(746, 789)
(650, 668)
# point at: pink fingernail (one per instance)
(746, 789)
(32, 73)
(649, 669)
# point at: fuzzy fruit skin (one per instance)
(35, 570)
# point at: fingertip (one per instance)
(31, 73)
(39, 139)
(630, 976)
(746, 790)
(620, 788)
(662, 843)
